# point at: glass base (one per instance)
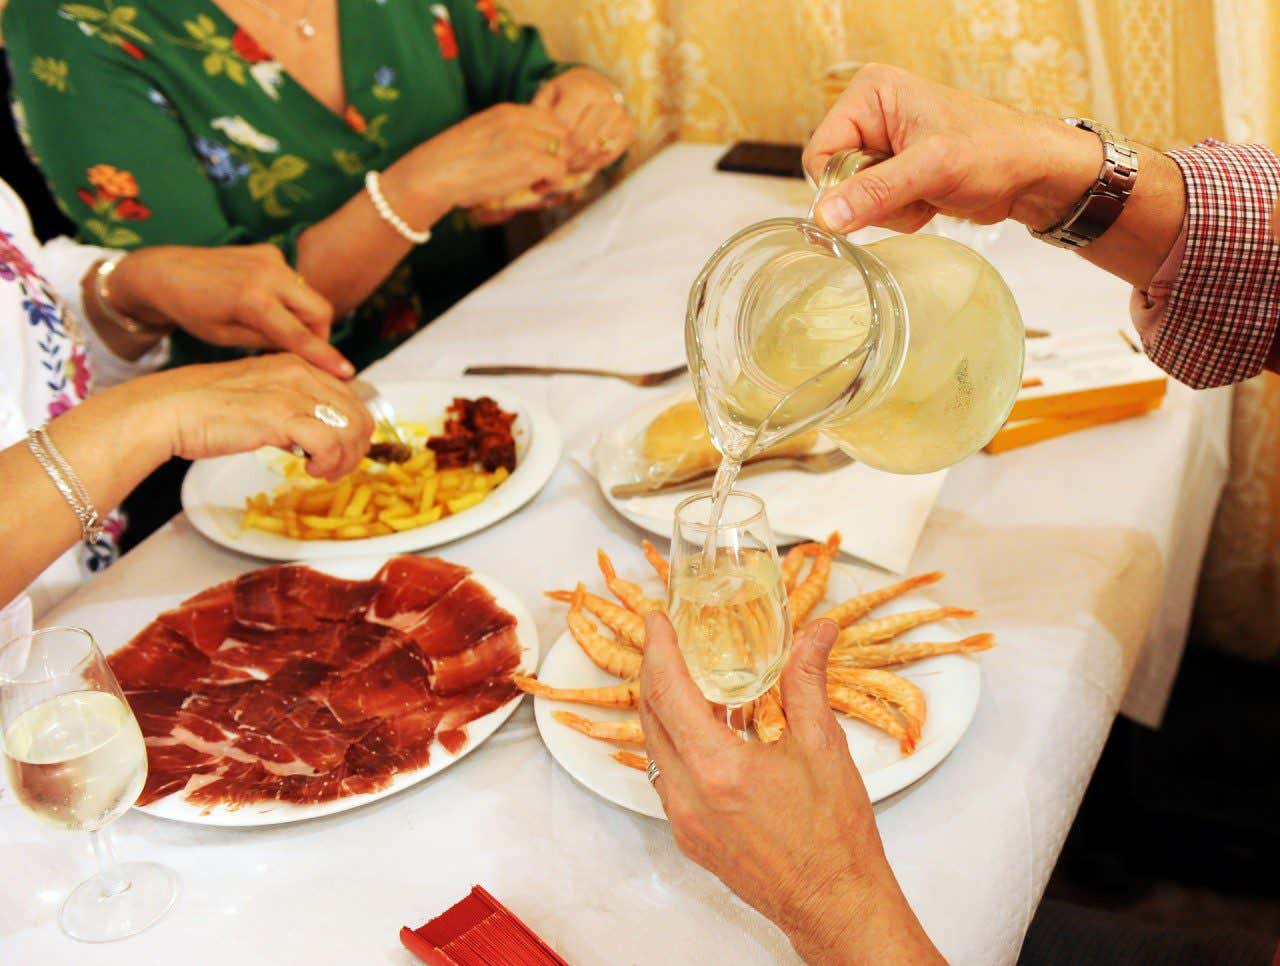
(92, 917)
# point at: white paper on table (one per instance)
(880, 516)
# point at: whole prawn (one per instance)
(608, 655)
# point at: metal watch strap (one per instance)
(1102, 204)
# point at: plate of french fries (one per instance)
(265, 504)
(904, 678)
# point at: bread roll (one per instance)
(677, 441)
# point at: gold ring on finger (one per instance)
(553, 146)
(604, 144)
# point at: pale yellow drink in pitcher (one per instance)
(906, 352)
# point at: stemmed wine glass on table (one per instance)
(75, 759)
(727, 600)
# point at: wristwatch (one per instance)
(1102, 204)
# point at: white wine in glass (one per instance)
(726, 598)
(75, 758)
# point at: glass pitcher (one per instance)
(907, 352)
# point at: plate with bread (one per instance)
(665, 442)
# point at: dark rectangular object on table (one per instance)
(763, 157)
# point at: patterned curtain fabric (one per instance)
(1168, 72)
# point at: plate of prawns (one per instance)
(902, 679)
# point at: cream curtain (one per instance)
(1168, 72)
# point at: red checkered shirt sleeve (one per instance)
(1222, 309)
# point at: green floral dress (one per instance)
(161, 122)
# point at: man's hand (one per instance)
(952, 152)
(787, 826)
(961, 155)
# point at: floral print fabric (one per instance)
(44, 369)
(164, 122)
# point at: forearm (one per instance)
(107, 443)
(864, 921)
(1135, 246)
(349, 254)
(125, 345)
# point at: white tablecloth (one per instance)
(1077, 553)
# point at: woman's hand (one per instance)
(787, 826)
(234, 407)
(600, 127)
(952, 152)
(506, 149)
(236, 295)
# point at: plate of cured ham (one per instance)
(216, 492)
(902, 680)
(297, 691)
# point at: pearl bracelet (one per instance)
(373, 185)
(67, 482)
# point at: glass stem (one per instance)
(730, 711)
(109, 875)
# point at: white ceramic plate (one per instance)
(951, 684)
(214, 491)
(277, 813)
(618, 459)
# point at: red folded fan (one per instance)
(478, 931)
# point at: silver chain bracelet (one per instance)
(67, 482)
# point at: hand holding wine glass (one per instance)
(787, 826)
(726, 597)
(75, 758)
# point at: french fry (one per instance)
(332, 523)
(254, 520)
(374, 500)
(397, 512)
(341, 496)
(465, 502)
(317, 501)
(290, 499)
(359, 500)
(421, 520)
(430, 487)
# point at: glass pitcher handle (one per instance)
(841, 166)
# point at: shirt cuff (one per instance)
(110, 370)
(1211, 314)
(1147, 307)
(64, 264)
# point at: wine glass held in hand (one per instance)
(75, 759)
(726, 598)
